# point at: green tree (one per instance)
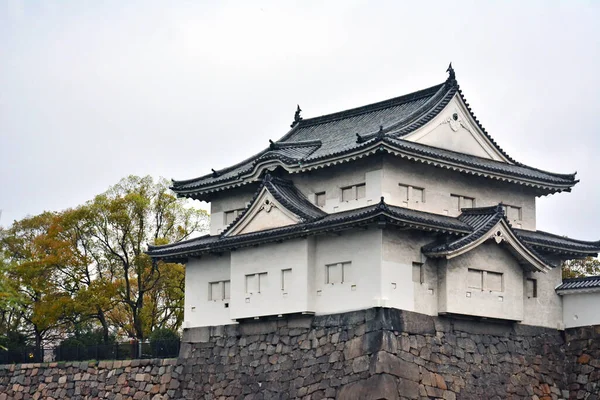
(33, 253)
(581, 267)
(122, 221)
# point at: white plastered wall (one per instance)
(234, 199)
(546, 309)
(271, 259)
(454, 129)
(459, 298)
(402, 248)
(199, 309)
(363, 288)
(439, 184)
(331, 180)
(581, 309)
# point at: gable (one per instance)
(454, 129)
(264, 213)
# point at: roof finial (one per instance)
(380, 134)
(214, 173)
(271, 144)
(450, 71)
(297, 117)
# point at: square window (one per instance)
(263, 284)
(467, 202)
(320, 199)
(417, 272)
(493, 281)
(403, 192)
(455, 200)
(215, 291)
(251, 284)
(286, 279)
(531, 288)
(347, 272)
(334, 273)
(418, 195)
(348, 193)
(361, 191)
(226, 290)
(475, 279)
(229, 217)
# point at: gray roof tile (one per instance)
(589, 282)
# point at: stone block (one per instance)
(196, 335)
(249, 328)
(378, 387)
(301, 322)
(387, 363)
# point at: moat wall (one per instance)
(372, 354)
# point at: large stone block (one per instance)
(384, 362)
(377, 387)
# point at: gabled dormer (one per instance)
(277, 204)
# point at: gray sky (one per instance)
(93, 91)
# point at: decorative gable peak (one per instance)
(488, 223)
(277, 203)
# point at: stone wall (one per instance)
(371, 354)
(129, 379)
(583, 362)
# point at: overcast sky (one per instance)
(93, 91)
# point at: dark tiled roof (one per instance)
(548, 242)
(481, 220)
(483, 164)
(316, 140)
(287, 195)
(329, 134)
(380, 212)
(589, 282)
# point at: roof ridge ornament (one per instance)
(215, 174)
(380, 134)
(297, 117)
(451, 73)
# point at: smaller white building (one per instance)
(581, 301)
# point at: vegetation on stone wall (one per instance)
(84, 270)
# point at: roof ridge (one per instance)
(483, 210)
(370, 107)
(588, 242)
(582, 279)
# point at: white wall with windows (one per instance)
(427, 188)
(541, 305)
(208, 291)
(271, 279)
(486, 282)
(347, 271)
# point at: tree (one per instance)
(581, 267)
(87, 267)
(122, 221)
(33, 253)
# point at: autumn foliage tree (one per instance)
(581, 267)
(87, 267)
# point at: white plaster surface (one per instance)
(458, 298)
(546, 309)
(362, 289)
(199, 310)
(459, 134)
(271, 259)
(581, 309)
(439, 184)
